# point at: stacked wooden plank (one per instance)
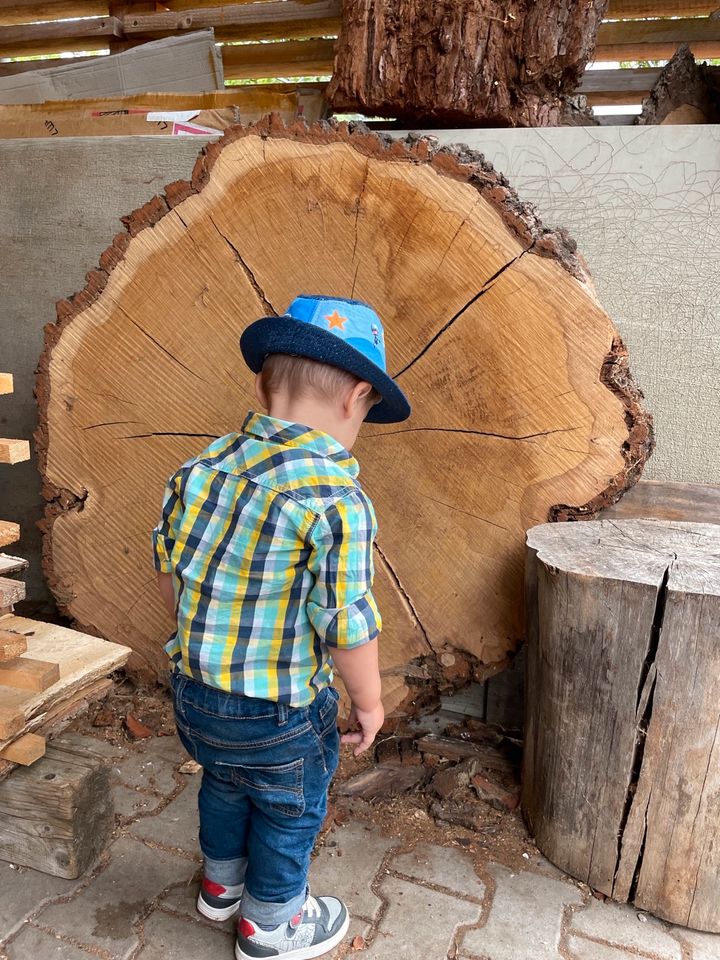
(48, 673)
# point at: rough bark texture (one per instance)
(523, 402)
(621, 771)
(477, 62)
(685, 92)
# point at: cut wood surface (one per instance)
(10, 564)
(11, 591)
(622, 757)
(9, 533)
(666, 500)
(58, 813)
(14, 451)
(459, 63)
(11, 645)
(24, 673)
(518, 380)
(82, 660)
(24, 751)
(6, 383)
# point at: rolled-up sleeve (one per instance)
(340, 605)
(165, 533)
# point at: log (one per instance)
(685, 92)
(668, 500)
(621, 771)
(479, 62)
(57, 813)
(518, 379)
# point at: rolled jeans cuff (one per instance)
(271, 914)
(230, 873)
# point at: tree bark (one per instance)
(522, 397)
(480, 62)
(621, 771)
(685, 92)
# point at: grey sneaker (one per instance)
(217, 902)
(320, 926)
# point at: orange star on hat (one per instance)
(336, 321)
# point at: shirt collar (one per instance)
(263, 427)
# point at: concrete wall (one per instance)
(641, 202)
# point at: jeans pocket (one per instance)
(278, 786)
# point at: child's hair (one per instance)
(301, 376)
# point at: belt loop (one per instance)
(282, 714)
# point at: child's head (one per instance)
(323, 364)
(307, 391)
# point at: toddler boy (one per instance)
(264, 559)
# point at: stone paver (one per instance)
(133, 803)
(151, 765)
(177, 825)
(34, 944)
(580, 949)
(347, 869)
(705, 946)
(103, 914)
(419, 923)
(444, 866)
(525, 918)
(618, 924)
(23, 891)
(166, 938)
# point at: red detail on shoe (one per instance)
(246, 928)
(295, 922)
(214, 889)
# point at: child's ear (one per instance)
(260, 392)
(359, 396)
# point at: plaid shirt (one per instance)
(269, 538)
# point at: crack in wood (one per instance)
(271, 311)
(484, 289)
(643, 711)
(477, 433)
(169, 433)
(404, 596)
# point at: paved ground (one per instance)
(421, 903)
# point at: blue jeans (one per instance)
(263, 799)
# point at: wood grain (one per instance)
(9, 533)
(621, 772)
(10, 564)
(24, 673)
(526, 404)
(14, 451)
(668, 500)
(24, 751)
(11, 592)
(57, 813)
(11, 645)
(6, 383)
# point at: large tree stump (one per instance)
(621, 779)
(479, 62)
(523, 404)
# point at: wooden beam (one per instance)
(6, 383)
(14, 451)
(12, 720)
(657, 39)
(12, 12)
(11, 591)
(602, 87)
(258, 21)
(11, 645)
(25, 751)
(37, 39)
(293, 58)
(628, 9)
(23, 673)
(25, 66)
(9, 533)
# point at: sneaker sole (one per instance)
(304, 953)
(217, 913)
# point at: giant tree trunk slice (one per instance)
(523, 404)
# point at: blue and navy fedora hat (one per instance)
(343, 333)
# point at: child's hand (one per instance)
(369, 722)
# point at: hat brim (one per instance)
(285, 335)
